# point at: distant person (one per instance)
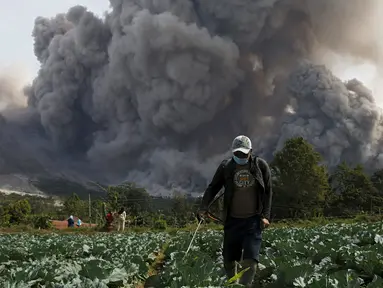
(79, 222)
(70, 221)
(121, 219)
(109, 220)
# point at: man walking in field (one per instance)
(247, 204)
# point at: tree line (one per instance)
(303, 188)
(302, 180)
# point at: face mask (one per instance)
(240, 161)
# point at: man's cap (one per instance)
(241, 143)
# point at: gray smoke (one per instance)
(156, 90)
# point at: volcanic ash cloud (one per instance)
(155, 91)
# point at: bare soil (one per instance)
(64, 225)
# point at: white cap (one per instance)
(241, 143)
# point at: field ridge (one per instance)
(156, 267)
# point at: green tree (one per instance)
(182, 209)
(354, 189)
(74, 206)
(134, 199)
(377, 180)
(299, 180)
(19, 211)
(41, 221)
(4, 217)
(97, 207)
(179, 206)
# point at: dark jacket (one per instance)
(70, 222)
(224, 177)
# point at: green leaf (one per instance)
(237, 276)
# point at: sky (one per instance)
(16, 26)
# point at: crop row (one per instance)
(327, 256)
(76, 260)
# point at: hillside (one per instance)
(45, 186)
(19, 184)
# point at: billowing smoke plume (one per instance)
(156, 91)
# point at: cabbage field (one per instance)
(328, 256)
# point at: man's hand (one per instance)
(265, 223)
(201, 215)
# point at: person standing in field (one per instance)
(247, 204)
(70, 221)
(109, 220)
(121, 219)
(79, 222)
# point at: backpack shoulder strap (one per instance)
(256, 170)
(228, 167)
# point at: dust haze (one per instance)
(155, 91)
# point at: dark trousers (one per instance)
(242, 234)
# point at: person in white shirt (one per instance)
(121, 219)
